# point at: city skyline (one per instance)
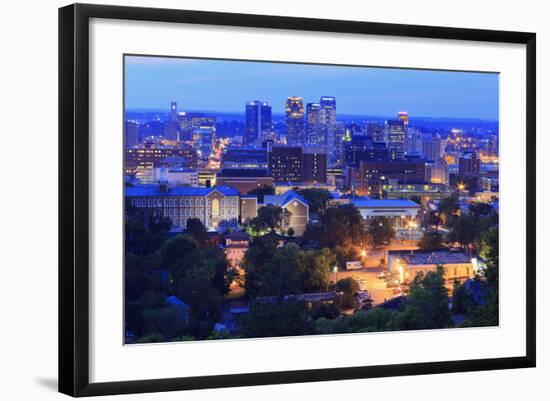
(152, 82)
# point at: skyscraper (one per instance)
(395, 136)
(258, 122)
(294, 109)
(314, 127)
(403, 116)
(432, 149)
(376, 132)
(328, 121)
(174, 111)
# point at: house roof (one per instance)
(284, 199)
(154, 190)
(384, 203)
(437, 257)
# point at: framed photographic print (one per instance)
(250, 199)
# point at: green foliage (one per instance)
(338, 226)
(150, 338)
(144, 230)
(462, 300)
(270, 219)
(197, 230)
(347, 286)
(431, 240)
(317, 199)
(314, 269)
(166, 320)
(274, 319)
(380, 231)
(463, 231)
(325, 310)
(448, 209)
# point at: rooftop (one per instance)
(438, 257)
(283, 199)
(155, 190)
(243, 172)
(385, 203)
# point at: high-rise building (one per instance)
(437, 172)
(188, 122)
(314, 127)
(285, 163)
(294, 110)
(413, 141)
(433, 148)
(307, 164)
(357, 150)
(468, 163)
(395, 137)
(130, 134)
(174, 111)
(328, 122)
(403, 116)
(258, 122)
(314, 164)
(376, 132)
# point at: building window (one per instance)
(149, 202)
(166, 203)
(171, 202)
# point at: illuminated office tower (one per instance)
(314, 128)
(294, 109)
(258, 122)
(171, 130)
(328, 121)
(174, 111)
(395, 138)
(403, 116)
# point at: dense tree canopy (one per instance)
(380, 231)
(317, 199)
(338, 226)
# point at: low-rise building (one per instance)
(176, 176)
(296, 205)
(404, 265)
(216, 207)
(236, 245)
(400, 212)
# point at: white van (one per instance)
(353, 265)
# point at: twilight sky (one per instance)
(225, 86)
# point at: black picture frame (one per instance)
(74, 198)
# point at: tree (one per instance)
(348, 287)
(431, 240)
(480, 209)
(317, 199)
(259, 253)
(290, 232)
(462, 300)
(270, 219)
(463, 231)
(314, 269)
(260, 192)
(144, 229)
(197, 230)
(428, 297)
(275, 319)
(448, 209)
(380, 231)
(338, 226)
